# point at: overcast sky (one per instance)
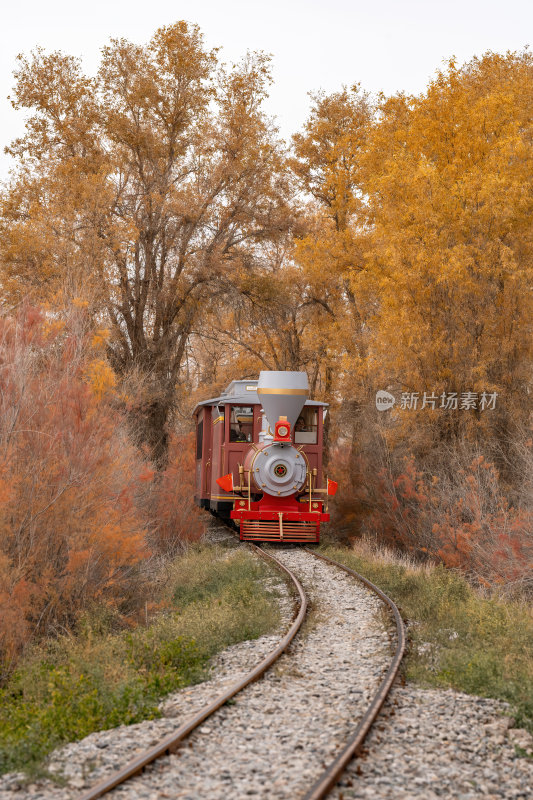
(390, 45)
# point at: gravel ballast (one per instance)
(277, 736)
(430, 744)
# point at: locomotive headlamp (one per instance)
(282, 430)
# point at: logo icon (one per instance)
(384, 400)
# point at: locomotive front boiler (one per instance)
(276, 468)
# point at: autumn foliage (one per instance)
(462, 519)
(420, 242)
(391, 248)
(75, 518)
(138, 189)
(174, 517)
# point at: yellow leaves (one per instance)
(327, 154)
(449, 224)
(52, 327)
(100, 339)
(420, 232)
(79, 302)
(101, 377)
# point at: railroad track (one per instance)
(320, 787)
(332, 774)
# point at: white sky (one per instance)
(390, 45)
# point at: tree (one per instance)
(449, 186)
(271, 316)
(420, 243)
(141, 187)
(328, 160)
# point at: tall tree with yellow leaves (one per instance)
(449, 186)
(140, 187)
(266, 316)
(420, 244)
(328, 164)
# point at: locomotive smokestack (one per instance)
(282, 393)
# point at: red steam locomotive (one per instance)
(259, 458)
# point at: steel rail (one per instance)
(334, 771)
(171, 743)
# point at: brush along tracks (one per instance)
(291, 734)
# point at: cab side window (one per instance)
(306, 427)
(241, 424)
(199, 439)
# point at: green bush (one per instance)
(460, 638)
(100, 678)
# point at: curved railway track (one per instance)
(331, 775)
(334, 770)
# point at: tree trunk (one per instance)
(149, 429)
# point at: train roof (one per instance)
(244, 393)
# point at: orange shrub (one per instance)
(457, 513)
(70, 532)
(174, 518)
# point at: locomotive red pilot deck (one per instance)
(259, 458)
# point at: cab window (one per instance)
(306, 427)
(199, 439)
(241, 424)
